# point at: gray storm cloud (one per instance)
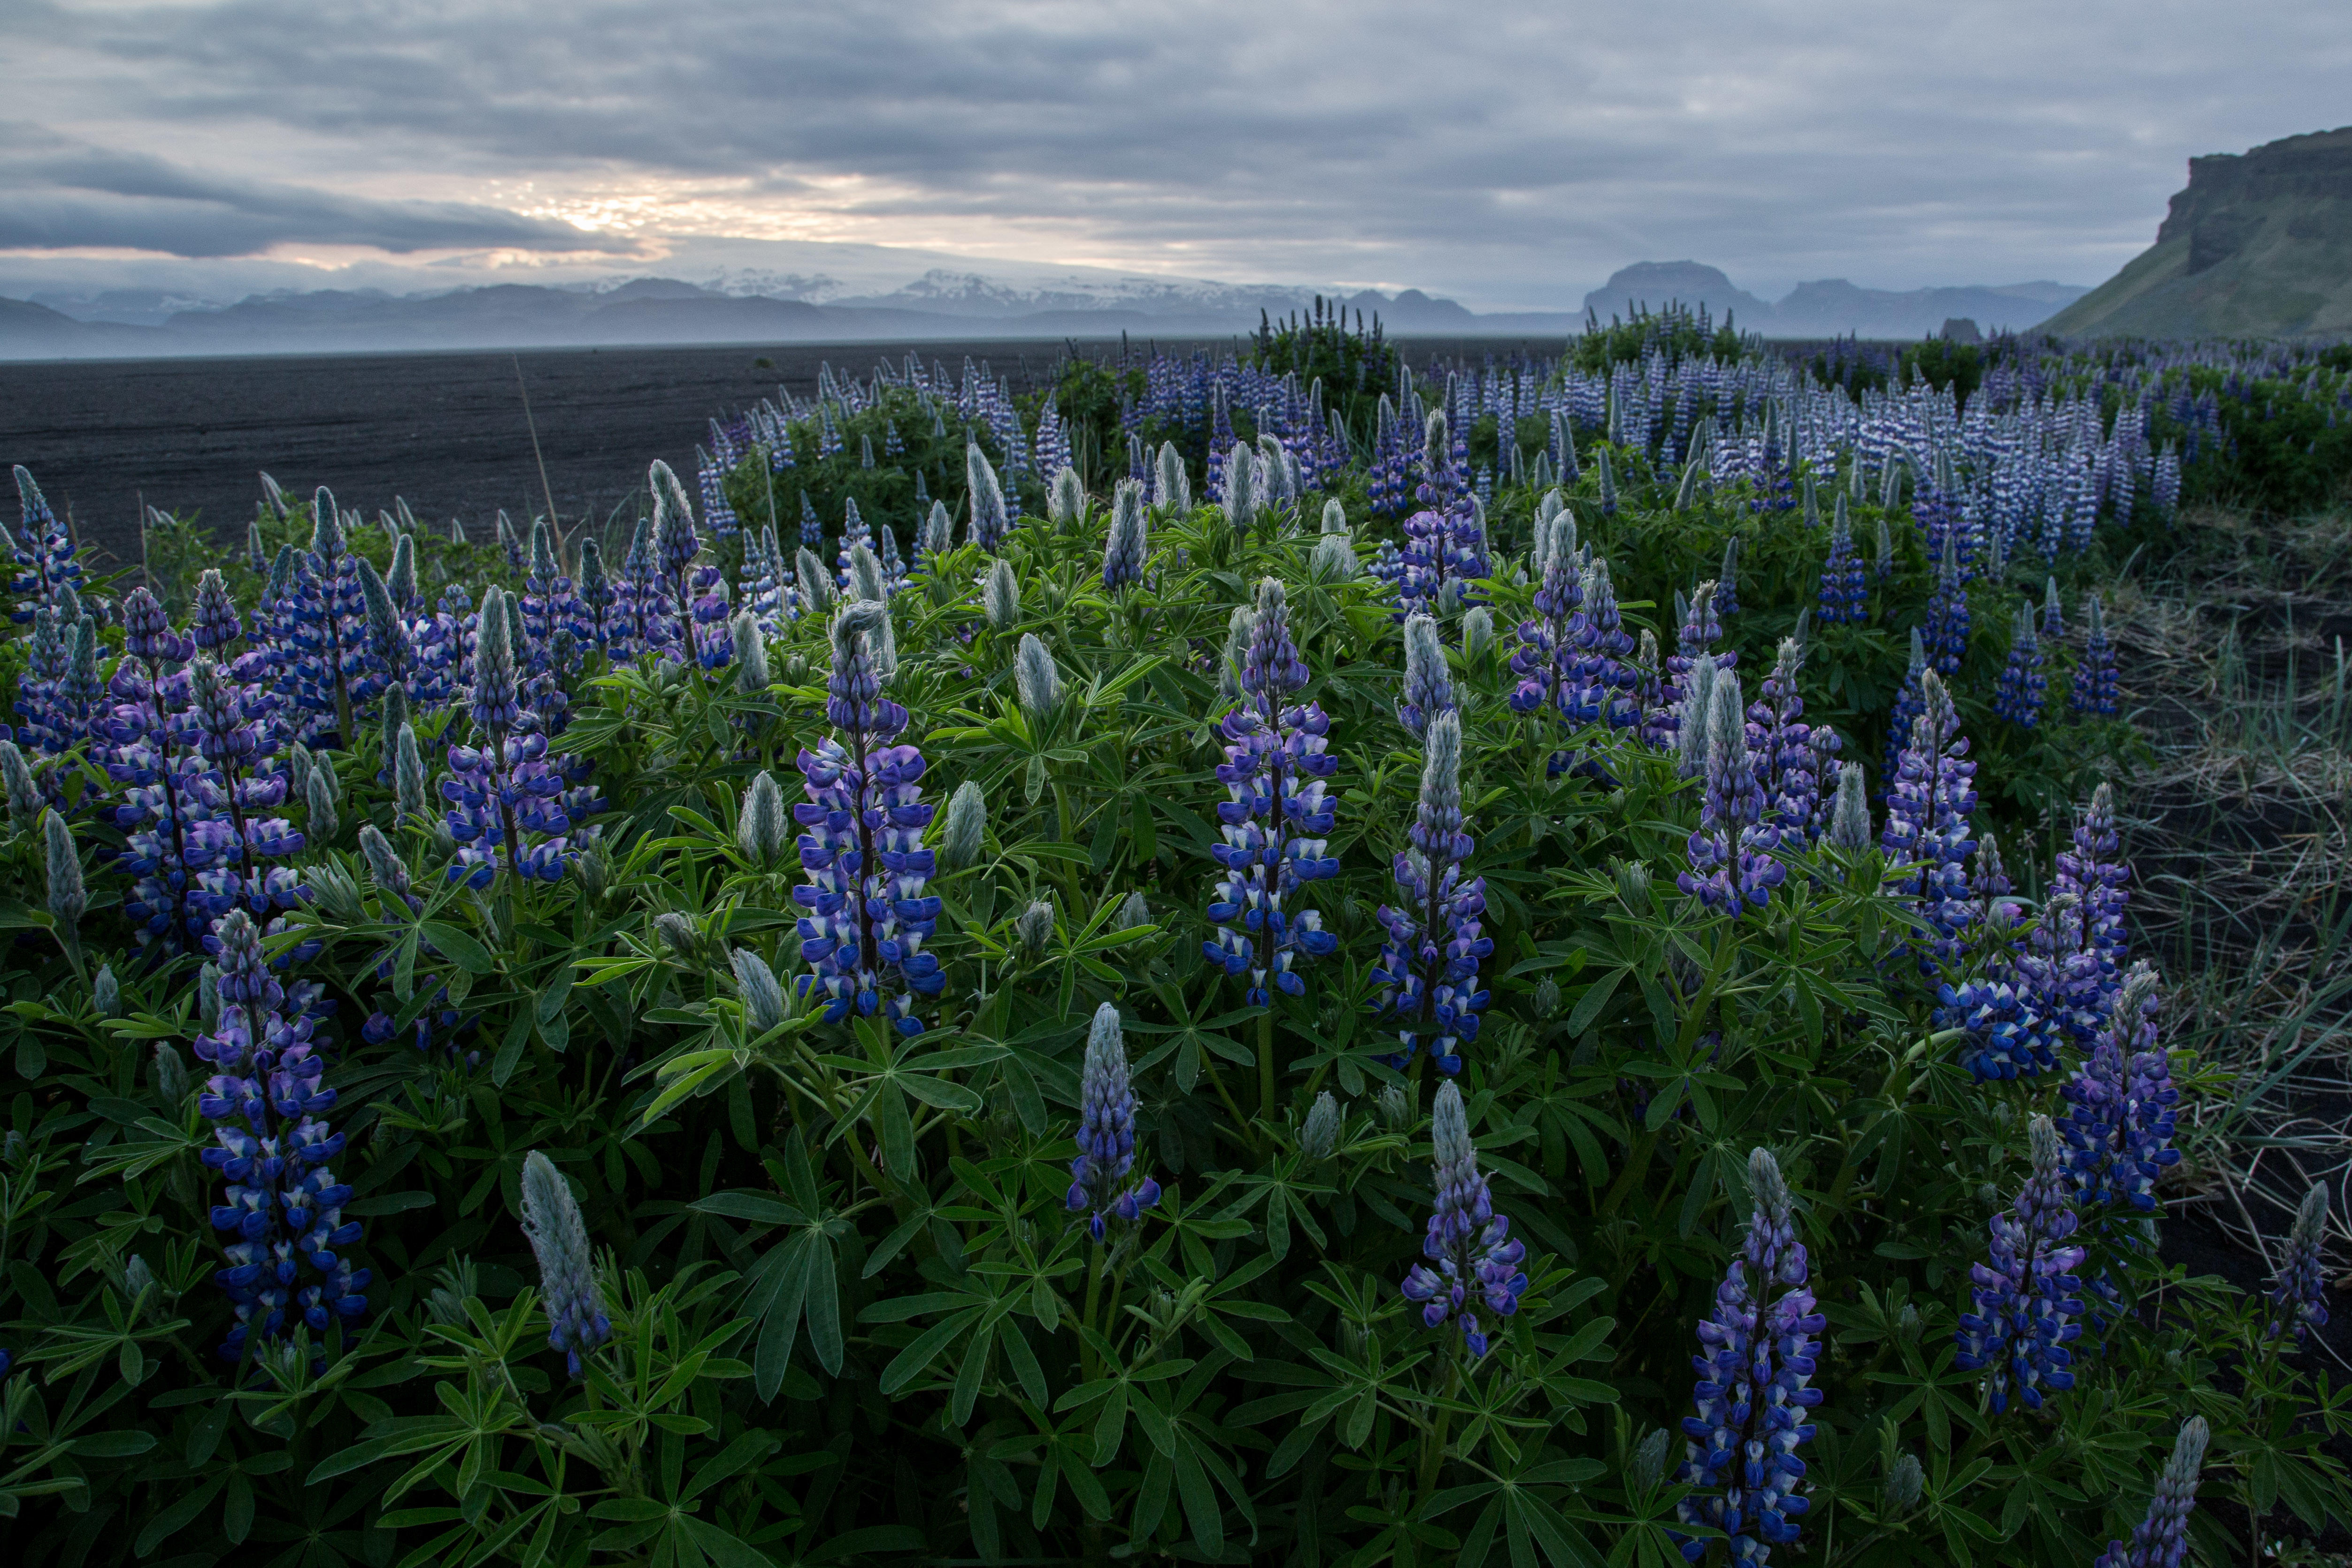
(1495, 150)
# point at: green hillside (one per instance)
(2259, 245)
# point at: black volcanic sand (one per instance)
(445, 431)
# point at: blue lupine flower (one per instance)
(1128, 542)
(2054, 620)
(2161, 1540)
(1846, 581)
(1946, 633)
(1732, 867)
(2091, 870)
(1099, 1176)
(2119, 1118)
(2025, 1300)
(1695, 642)
(330, 665)
(48, 568)
(2023, 691)
(283, 1204)
(1753, 1385)
(2299, 1299)
(507, 790)
(2094, 690)
(1476, 1259)
(1428, 680)
(1427, 976)
(567, 1268)
(1930, 810)
(1905, 708)
(1543, 661)
(216, 622)
(863, 850)
(1278, 813)
(1781, 743)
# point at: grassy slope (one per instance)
(2292, 275)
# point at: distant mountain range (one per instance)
(2259, 245)
(1831, 308)
(779, 292)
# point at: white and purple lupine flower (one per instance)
(1128, 542)
(1444, 544)
(2119, 1118)
(2025, 1300)
(1732, 866)
(862, 845)
(1908, 702)
(675, 545)
(1947, 632)
(283, 1204)
(988, 522)
(1474, 1261)
(1544, 660)
(2092, 871)
(506, 791)
(1278, 815)
(2299, 1299)
(1780, 741)
(1099, 1187)
(567, 1268)
(1928, 838)
(1679, 692)
(1753, 1385)
(2161, 1540)
(1428, 680)
(1427, 977)
(48, 568)
(332, 669)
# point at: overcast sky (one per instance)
(1507, 153)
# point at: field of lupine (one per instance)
(1272, 959)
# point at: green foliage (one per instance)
(854, 1319)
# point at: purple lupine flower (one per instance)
(1428, 680)
(1846, 581)
(1753, 1385)
(1427, 976)
(599, 600)
(283, 1204)
(1444, 544)
(49, 567)
(2094, 677)
(1727, 581)
(216, 624)
(2012, 1030)
(863, 850)
(988, 522)
(1905, 708)
(2054, 620)
(1930, 810)
(2092, 872)
(1602, 688)
(328, 615)
(1476, 1259)
(1780, 741)
(506, 791)
(1947, 632)
(567, 1267)
(2025, 1300)
(648, 615)
(1099, 1176)
(2299, 1299)
(1694, 643)
(2023, 691)
(675, 545)
(2119, 1119)
(2161, 1540)
(1280, 812)
(1732, 868)
(1544, 660)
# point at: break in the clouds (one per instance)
(1511, 154)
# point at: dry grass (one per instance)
(2235, 658)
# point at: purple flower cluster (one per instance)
(1099, 1176)
(1846, 581)
(1929, 835)
(1473, 1258)
(1573, 654)
(2161, 1539)
(507, 792)
(1278, 814)
(1754, 1386)
(862, 845)
(1788, 755)
(1732, 867)
(2299, 1299)
(283, 1204)
(2095, 677)
(2024, 1301)
(1427, 976)
(2024, 689)
(2119, 1118)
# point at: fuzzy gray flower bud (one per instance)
(761, 827)
(763, 997)
(1034, 679)
(963, 826)
(1033, 928)
(1320, 1135)
(1000, 597)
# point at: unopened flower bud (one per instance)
(1320, 1135)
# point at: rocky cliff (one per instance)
(2259, 244)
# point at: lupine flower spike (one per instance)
(2162, 1539)
(1753, 1385)
(2024, 1301)
(1278, 813)
(1427, 977)
(567, 1268)
(1474, 1261)
(1099, 1176)
(2299, 1299)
